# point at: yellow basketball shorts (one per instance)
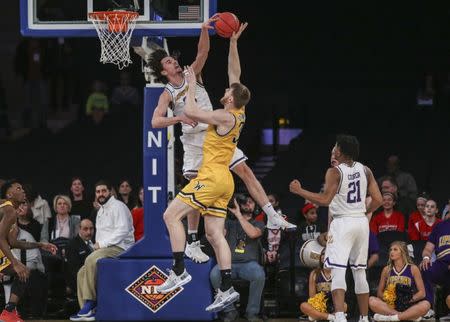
(4, 261)
(210, 192)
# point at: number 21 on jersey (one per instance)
(354, 192)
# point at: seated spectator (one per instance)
(76, 252)
(125, 94)
(81, 206)
(250, 206)
(37, 288)
(311, 228)
(388, 219)
(273, 232)
(446, 211)
(138, 216)
(401, 292)
(114, 234)
(243, 234)
(422, 229)
(419, 213)
(63, 225)
(125, 193)
(97, 105)
(40, 208)
(320, 303)
(374, 249)
(26, 221)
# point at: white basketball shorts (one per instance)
(348, 242)
(193, 154)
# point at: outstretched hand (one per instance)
(237, 34)
(207, 23)
(295, 186)
(236, 211)
(189, 74)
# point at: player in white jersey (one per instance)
(346, 187)
(167, 70)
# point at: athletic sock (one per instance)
(10, 306)
(178, 263)
(226, 279)
(192, 236)
(269, 211)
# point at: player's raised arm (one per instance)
(203, 46)
(332, 178)
(234, 64)
(216, 117)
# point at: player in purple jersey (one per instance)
(437, 272)
(400, 270)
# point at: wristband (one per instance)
(426, 257)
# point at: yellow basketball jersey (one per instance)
(4, 262)
(219, 149)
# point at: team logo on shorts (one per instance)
(143, 289)
(198, 186)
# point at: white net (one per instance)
(114, 28)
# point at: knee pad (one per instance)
(338, 279)
(361, 285)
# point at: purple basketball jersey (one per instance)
(440, 237)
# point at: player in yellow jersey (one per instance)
(213, 187)
(12, 195)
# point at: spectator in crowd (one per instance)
(319, 282)
(114, 234)
(243, 234)
(436, 272)
(273, 231)
(81, 206)
(125, 94)
(374, 250)
(40, 208)
(419, 213)
(388, 219)
(77, 250)
(125, 193)
(311, 228)
(446, 211)
(407, 187)
(37, 288)
(97, 105)
(422, 229)
(31, 63)
(63, 225)
(411, 303)
(138, 216)
(26, 221)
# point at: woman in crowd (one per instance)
(401, 292)
(80, 205)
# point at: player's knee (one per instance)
(338, 279)
(361, 285)
(212, 237)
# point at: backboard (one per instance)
(69, 18)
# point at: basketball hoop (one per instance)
(114, 28)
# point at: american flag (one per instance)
(189, 13)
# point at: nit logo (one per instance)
(143, 289)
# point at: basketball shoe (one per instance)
(173, 282)
(277, 221)
(222, 299)
(194, 252)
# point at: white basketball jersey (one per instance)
(178, 95)
(351, 195)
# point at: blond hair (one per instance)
(404, 253)
(66, 200)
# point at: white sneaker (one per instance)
(223, 299)
(194, 252)
(429, 314)
(381, 317)
(173, 282)
(311, 319)
(277, 221)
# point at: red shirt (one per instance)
(421, 230)
(138, 222)
(414, 218)
(381, 223)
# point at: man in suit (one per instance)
(76, 252)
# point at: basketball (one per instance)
(226, 24)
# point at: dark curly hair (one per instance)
(156, 66)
